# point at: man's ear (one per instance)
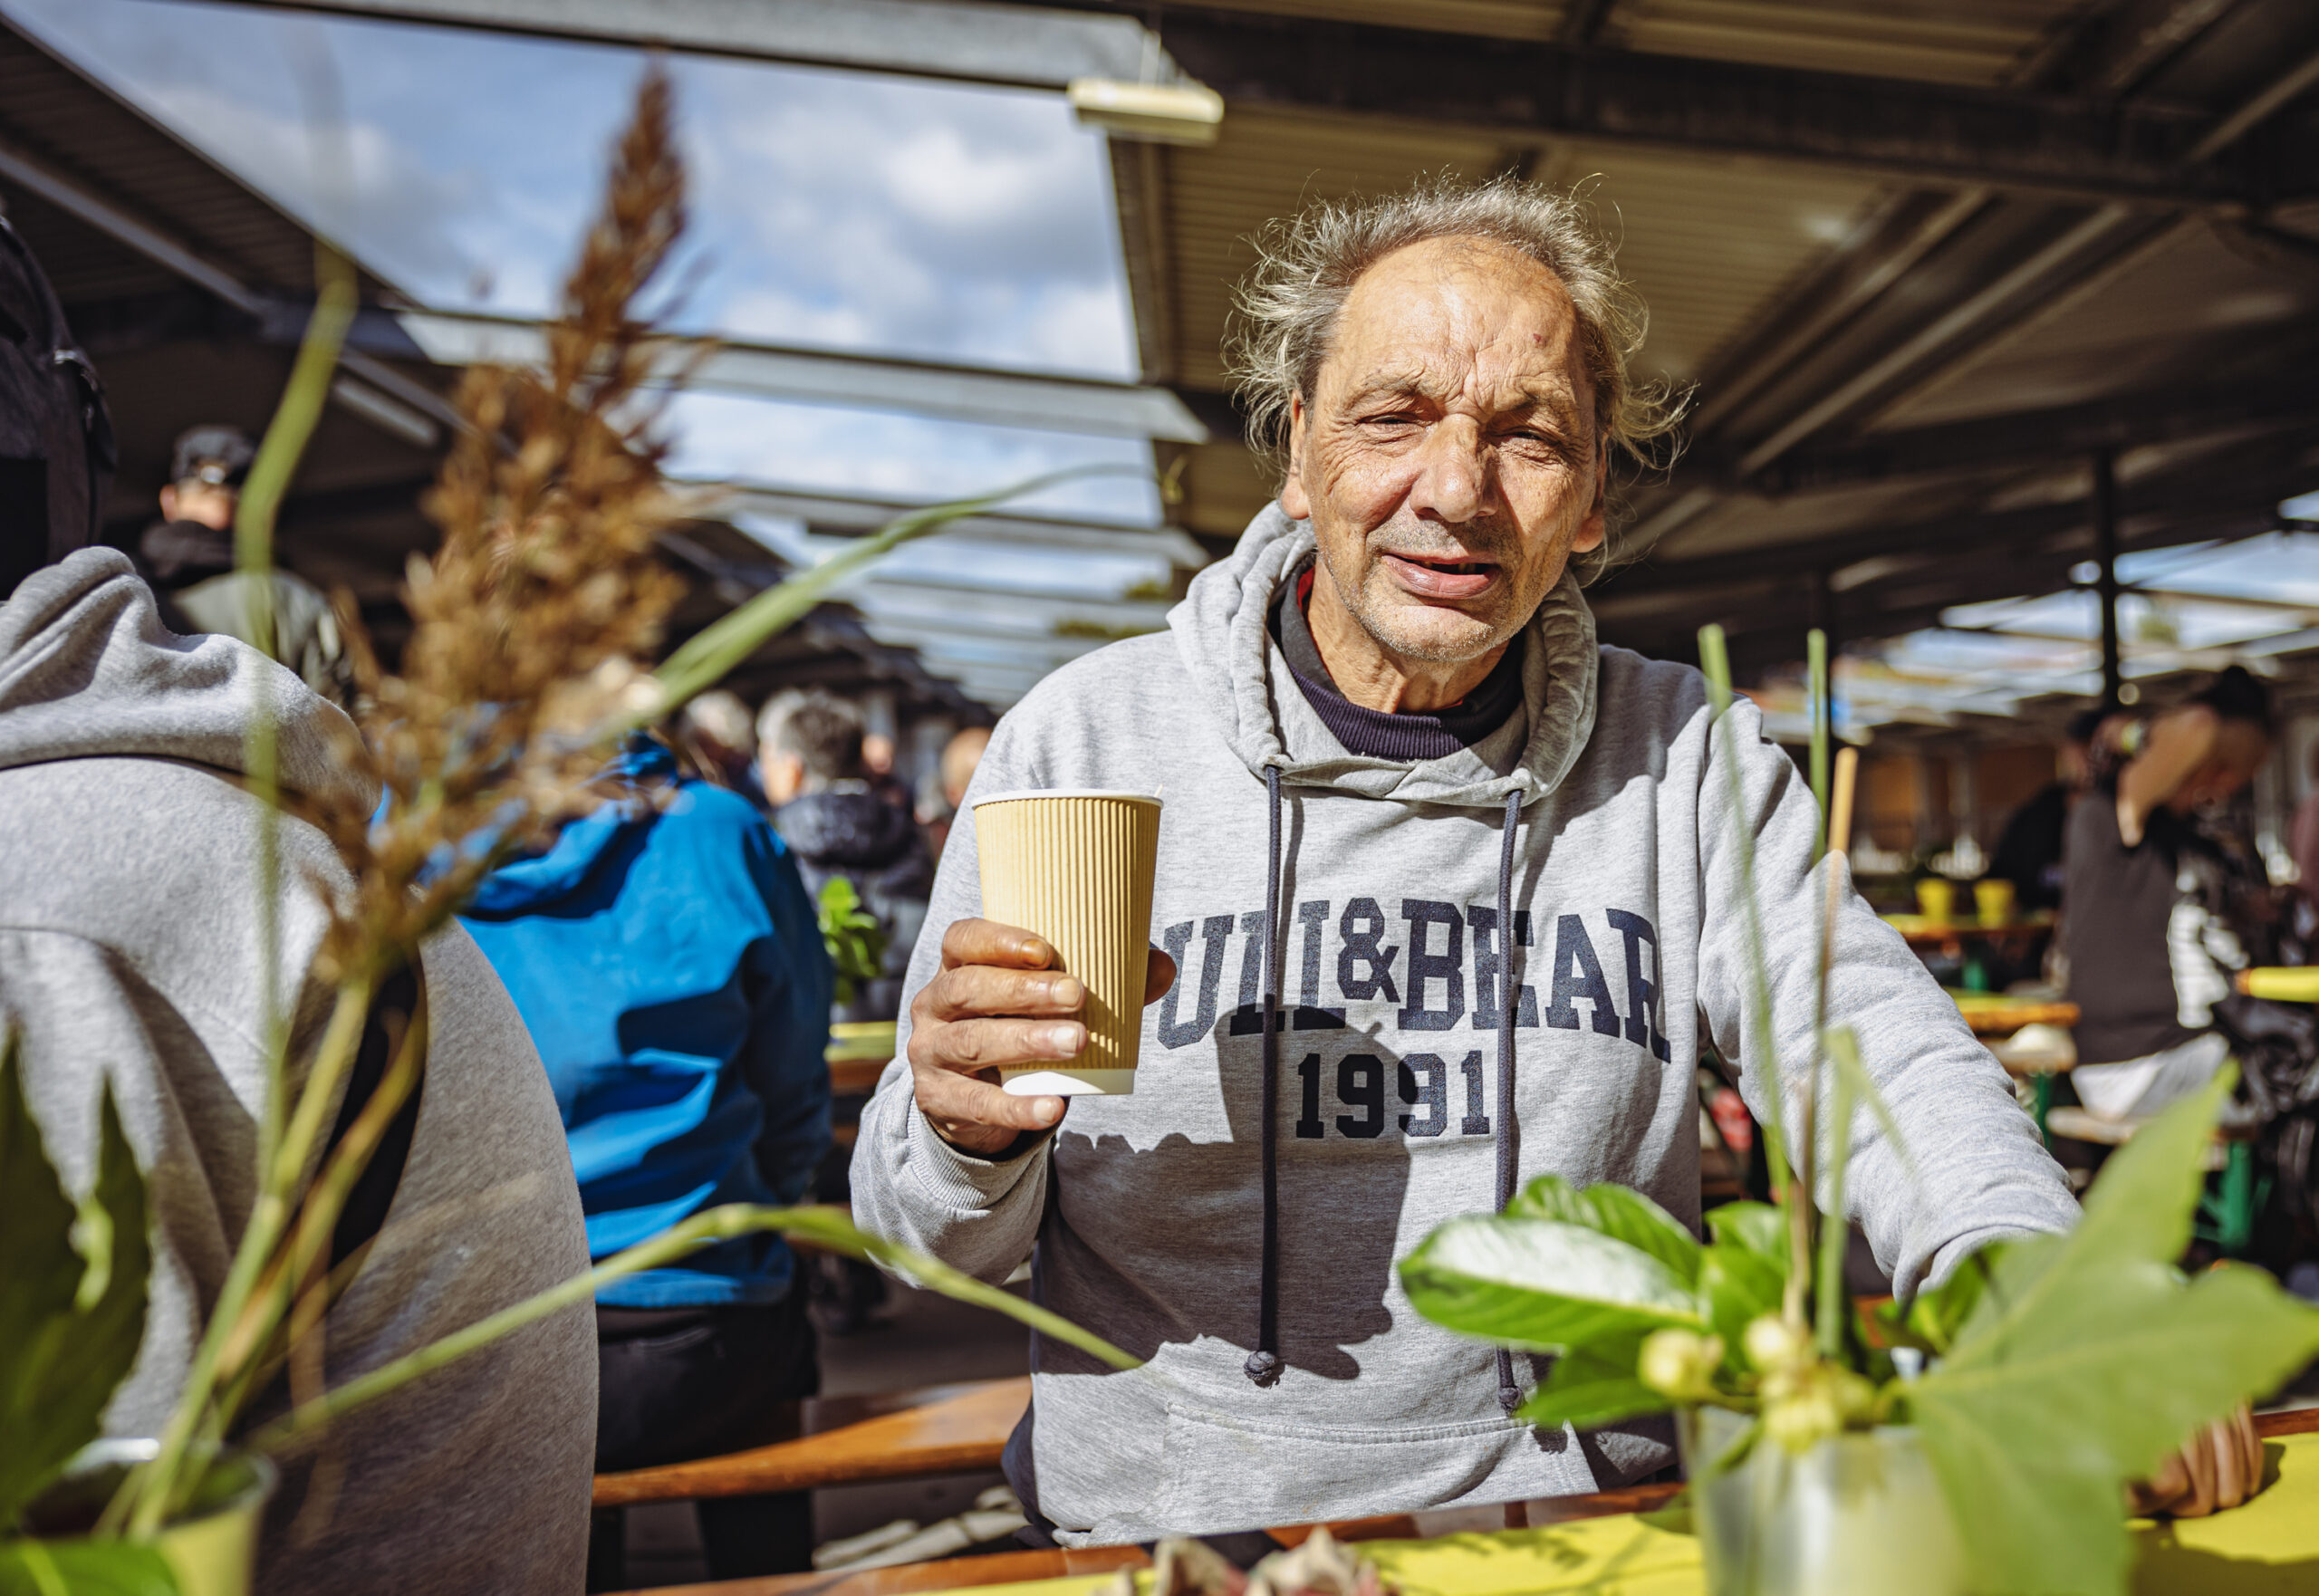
(1295, 502)
(169, 501)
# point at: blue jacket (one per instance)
(671, 971)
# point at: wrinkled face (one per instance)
(1447, 457)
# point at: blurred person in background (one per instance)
(718, 734)
(2029, 853)
(130, 866)
(665, 958)
(2303, 842)
(2154, 901)
(829, 811)
(955, 768)
(189, 554)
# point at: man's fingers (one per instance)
(1158, 976)
(974, 991)
(969, 1046)
(987, 942)
(958, 1103)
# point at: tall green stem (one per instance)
(819, 1225)
(1714, 660)
(1835, 1234)
(710, 653)
(157, 1489)
(1816, 649)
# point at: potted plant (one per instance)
(1979, 1438)
(526, 665)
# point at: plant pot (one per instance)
(1861, 1512)
(211, 1547)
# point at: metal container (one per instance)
(1861, 1512)
(211, 1546)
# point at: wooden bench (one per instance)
(2228, 1216)
(847, 1440)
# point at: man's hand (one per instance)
(998, 1001)
(2220, 1467)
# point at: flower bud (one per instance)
(1801, 1420)
(1773, 1343)
(1680, 1363)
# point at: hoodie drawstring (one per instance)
(1263, 1365)
(1509, 1395)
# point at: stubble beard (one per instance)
(1375, 611)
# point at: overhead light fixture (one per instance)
(2302, 508)
(1151, 113)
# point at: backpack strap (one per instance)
(393, 1007)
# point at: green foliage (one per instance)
(1545, 1285)
(1594, 1387)
(1616, 1212)
(856, 943)
(71, 1292)
(83, 1568)
(2085, 1358)
(1741, 1285)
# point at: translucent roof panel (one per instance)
(828, 209)
(2197, 607)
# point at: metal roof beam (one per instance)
(2047, 436)
(1084, 405)
(1018, 46)
(2180, 501)
(1939, 134)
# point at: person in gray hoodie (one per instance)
(1449, 898)
(130, 939)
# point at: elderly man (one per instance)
(1387, 713)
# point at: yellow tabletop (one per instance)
(2269, 1547)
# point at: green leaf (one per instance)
(1759, 1227)
(61, 1361)
(1592, 1388)
(1938, 1316)
(2086, 1359)
(83, 1568)
(1741, 1285)
(1544, 1285)
(2033, 1452)
(1617, 1212)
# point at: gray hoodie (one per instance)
(129, 953)
(1147, 1212)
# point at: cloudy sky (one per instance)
(833, 209)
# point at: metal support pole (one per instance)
(2106, 582)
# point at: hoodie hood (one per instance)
(1221, 634)
(525, 886)
(846, 831)
(87, 671)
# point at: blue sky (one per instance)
(835, 210)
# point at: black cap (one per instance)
(214, 453)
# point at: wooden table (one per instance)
(1922, 930)
(1615, 1543)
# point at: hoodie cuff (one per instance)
(969, 1183)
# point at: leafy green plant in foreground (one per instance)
(2054, 1369)
(71, 1314)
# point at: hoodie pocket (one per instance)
(1225, 1472)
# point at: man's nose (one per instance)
(1453, 482)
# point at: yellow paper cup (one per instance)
(1937, 898)
(1076, 868)
(1994, 900)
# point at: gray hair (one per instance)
(1286, 310)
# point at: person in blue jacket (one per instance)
(671, 969)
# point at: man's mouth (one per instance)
(1429, 576)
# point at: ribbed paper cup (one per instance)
(1076, 868)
